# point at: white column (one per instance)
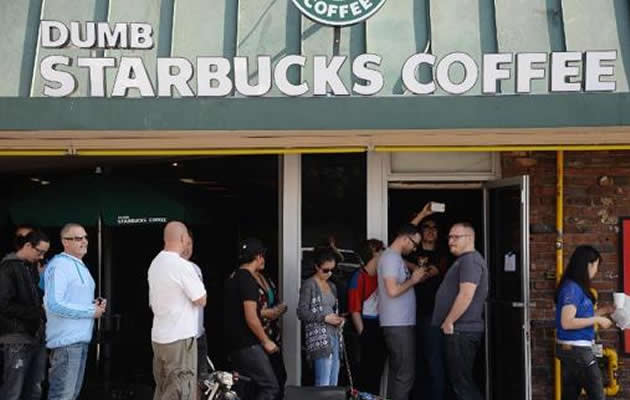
(377, 169)
(290, 187)
(377, 196)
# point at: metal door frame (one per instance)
(523, 183)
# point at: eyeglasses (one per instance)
(76, 238)
(457, 237)
(40, 251)
(415, 244)
(326, 270)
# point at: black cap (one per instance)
(250, 247)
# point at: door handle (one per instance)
(518, 304)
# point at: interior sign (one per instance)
(338, 12)
(573, 71)
(127, 220)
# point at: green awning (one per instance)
(118, 201)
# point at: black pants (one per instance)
(277, 363)
(461, 352)
(401, 348)
(372, 357)
(430, 369)
(579, 371)
(254, 363)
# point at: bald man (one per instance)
(175, 294)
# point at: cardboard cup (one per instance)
(619, 299)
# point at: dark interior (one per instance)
(240, 199)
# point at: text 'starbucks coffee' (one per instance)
(338, 12)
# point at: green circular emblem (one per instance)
(338, 12)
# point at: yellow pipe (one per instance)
(502, 148)
(559, 256)
(32, 153)
(214, 152)
(613, 364)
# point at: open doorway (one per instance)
(499, 211)
(230, 198)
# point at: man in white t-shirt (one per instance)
(202, 341)
(175, 293)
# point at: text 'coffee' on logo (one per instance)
(338, 12)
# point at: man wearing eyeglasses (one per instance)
(71, 310)
(397, 310)
(22, 320)
(458, 312)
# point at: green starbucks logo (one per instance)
(338, 12)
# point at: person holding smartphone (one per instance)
(318, 309)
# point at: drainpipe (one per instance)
(559, 256)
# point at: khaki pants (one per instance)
(175, 370)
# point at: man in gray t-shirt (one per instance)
(397, 310)
(459, 305)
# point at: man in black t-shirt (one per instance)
(430, 370)
(248, 344)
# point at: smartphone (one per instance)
(438, 207)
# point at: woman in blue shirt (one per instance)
(575, 320)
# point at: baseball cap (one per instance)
(251, 247)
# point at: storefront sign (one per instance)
(338, 12)
(590, 71)
(127, 220)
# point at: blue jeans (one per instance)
(327, 368)
(67, 367)
(24, 371)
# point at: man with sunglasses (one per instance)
(22, 319)
(458, 312)
(71, 310)
(397, 310)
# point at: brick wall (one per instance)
(596, 194)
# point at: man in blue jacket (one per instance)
(70, 310)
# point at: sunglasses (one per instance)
(415, 244)
(40, 251)
(326, 270)
(76, 238)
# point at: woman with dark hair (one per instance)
(318, 309)
(575, 320)
(363, 308)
